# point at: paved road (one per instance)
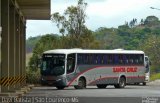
(130, 94)
(92, 91)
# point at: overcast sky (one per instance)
(100, 13)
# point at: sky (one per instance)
(100, 13)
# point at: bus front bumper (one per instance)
(55, 82)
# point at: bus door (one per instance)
(70, 67)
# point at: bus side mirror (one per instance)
(150, 63)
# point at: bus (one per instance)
(80, 68)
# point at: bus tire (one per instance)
(101, 86)
(144, 83)
(121, 84)
(81, 84)
(116, 86)
(60, 87)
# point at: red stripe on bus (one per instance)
(115, 77)
(98, 67)
(101, 79)
(135, 76)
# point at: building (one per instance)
(13, 16)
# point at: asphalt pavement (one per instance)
(129, 94)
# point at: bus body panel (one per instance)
(97, 74)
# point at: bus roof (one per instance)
(69, 51)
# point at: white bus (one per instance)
(80, 68)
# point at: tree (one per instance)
(151, 21)
(151, 47)
(141, 22)
(72, 26)
(46, 42)
(72, 21)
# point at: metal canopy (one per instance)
(35, 9)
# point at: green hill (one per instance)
(143, 35)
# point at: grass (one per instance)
(28, 56)
(155, 76)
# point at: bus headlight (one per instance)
(58, 80)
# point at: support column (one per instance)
(0, 45)
(24, 52)
(20, 45)
(11, 46)
(17, 67)
(5, 45)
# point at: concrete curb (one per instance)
(155, 82)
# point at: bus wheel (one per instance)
(60, 87)
(81, 84)
(116, 86)
(144, 83)
(122, 83)
(101, 86)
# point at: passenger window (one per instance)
(70, 63)
(116, 59)
(80, 59)
(104, 57)
(121, 61)
(91, 59)
(110, 59)
(141, 59)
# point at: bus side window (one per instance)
(126, 59)
(116, 61)
(95, 59)
(70, 63)
(141, 59)
(136, 59)
(79, 61)
(131, 59)
(121, 61)
(98, 59)
(86, 58)
(104, 59)
(90, 59)
(110, 59)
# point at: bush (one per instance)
(33, 76)
(155, 76)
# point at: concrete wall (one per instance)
(12, 74)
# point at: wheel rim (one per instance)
(81, 83)
(122, 82)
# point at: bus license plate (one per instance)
(50, 78)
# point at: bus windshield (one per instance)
(53, 64)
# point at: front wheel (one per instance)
(81, 84)
(101, 86)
